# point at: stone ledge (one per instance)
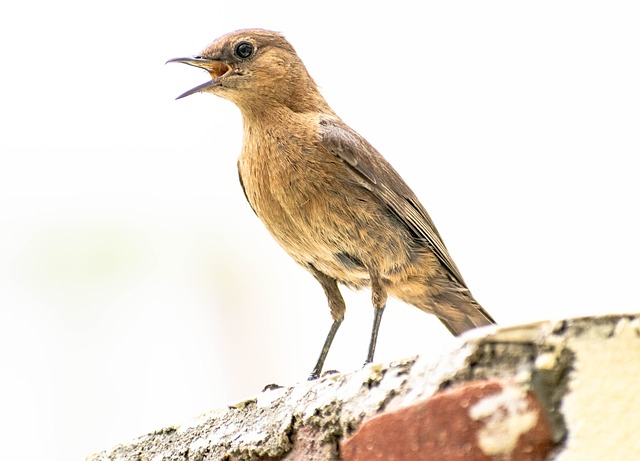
(552, 390)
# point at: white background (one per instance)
(137, 288)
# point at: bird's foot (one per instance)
(271, 387)
(324, 374)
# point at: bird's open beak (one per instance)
(215, 67)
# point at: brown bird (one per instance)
(325, 194)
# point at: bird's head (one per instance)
(256, 68)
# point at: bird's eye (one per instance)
(244, 49)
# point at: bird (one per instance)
(325, 194)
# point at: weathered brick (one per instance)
(477, 421)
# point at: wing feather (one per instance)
(386, 183)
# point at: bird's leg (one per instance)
(379, 300)
(337, 307)
(325, 350)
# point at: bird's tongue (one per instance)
(217, 69)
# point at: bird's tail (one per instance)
(447, 299)
(460, 317)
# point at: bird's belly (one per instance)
(330, 236)
(320, 240)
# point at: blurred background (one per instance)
(137, 288)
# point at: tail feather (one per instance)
(458, 319)
(444, 297)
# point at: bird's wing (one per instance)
(244, 190)
(383, 181)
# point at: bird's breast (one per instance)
(295, 192)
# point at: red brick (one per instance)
(477, 421)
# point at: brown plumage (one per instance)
(325, 194)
